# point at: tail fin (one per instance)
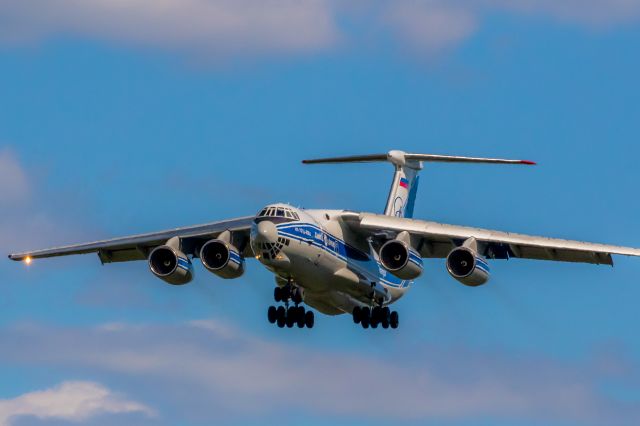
(404, 186)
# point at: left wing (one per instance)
(137, 247)
(436, 240)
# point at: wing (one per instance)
(137, 247)
(436, 240)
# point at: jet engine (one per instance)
(170, 265)
(467, 266)
(222, 258)
(398, 258)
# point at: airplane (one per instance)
(339, 261)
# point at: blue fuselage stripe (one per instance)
(338, 248)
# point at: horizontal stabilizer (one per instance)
(392, 155)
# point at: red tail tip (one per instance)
(531, 163)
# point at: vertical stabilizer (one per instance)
(402, 194)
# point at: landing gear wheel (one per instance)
(300, 317)
(376, 316)
(365, 322)
(365, 317)
(281, 316)
(277, 294)
(309, 319)
(386, 314)
(394, 320)
(291, 317)
(357, 315)
(272, 314)
(285, 293)
(296, 296)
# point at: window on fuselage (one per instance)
(280, 212)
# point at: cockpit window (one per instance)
(287, 214)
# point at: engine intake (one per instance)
(399, 259)
(222, 258)
(468, 267)
(170, 265)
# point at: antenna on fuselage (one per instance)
(402, 194)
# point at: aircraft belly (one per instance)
(333, 283)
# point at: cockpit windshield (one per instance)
(280, 212)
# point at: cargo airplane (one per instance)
(339, 261)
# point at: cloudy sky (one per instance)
(126, 116)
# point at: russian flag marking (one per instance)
(404, 183)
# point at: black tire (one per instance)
(386, 317)
(394, 319)
(300, 321)
(291, 317)
(376, 316)
(365, 317)
(277, 294)
(281, 317)
(272, 314)
(356, 315)
(285, 293)
(297, 295)
(309, 319)
(365, 322)
(376, 313)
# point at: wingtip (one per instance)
(528, 163)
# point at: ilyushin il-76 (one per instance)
(339, 261)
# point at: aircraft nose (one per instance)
(266, 232)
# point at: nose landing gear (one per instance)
(289, 315)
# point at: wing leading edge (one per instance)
(436, 240)
(137, 247)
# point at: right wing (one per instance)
(436, 240)
(137, 247)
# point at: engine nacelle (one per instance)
(222, 258)
(467, 266)
(398, 258)
(170, 265)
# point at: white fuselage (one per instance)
(336, 269)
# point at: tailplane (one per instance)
(404, 186)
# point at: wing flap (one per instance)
(437, 239)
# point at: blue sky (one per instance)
(126, 117)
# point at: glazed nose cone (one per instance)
(266, 232)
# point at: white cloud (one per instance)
(70, 401)
(223, 27)
(14, 184)
(431, 25)
(590, 13)
(218, 29)
(29, 215)
(224, 370)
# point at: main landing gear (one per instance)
(375, 316)
(289, 315)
